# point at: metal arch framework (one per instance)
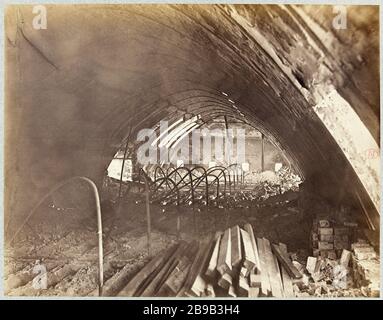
(190, 180)
(214, 105)
(214, 111)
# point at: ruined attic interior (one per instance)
(293, 97)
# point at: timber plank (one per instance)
(199, 284)
(210, 291)
(177, 277)
(224, 255)
(236, 250)
(231, 292)
(154, 282)
(255, 280)
(265, 281)
(248, 253)
(243, 287)
(158, 261)
(286, 262)
(286, 279)
(225, 281)
(191, 277)
(211, 271)
(253, 292)
(279, 274)
(249, 229)
(276, 289)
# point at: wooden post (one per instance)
(236, 250)
(224, 255)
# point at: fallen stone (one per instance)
(325, 231)
(310, 265)
(324, 245)
(345, 258)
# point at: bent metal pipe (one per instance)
(99, 222)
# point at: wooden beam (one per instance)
(248, 253)
(286, 262)
(286, 279)
(255, 280)
(154, 283)
(231, 292)
(278, 274)
(177, 277)
(243, 287)
(130, 289)
(253, 292)
(192, 273)
(265, 281)
(275, 283)
(224, 255)
(249, 229)
(200, 284)
(236, 250)
(211, 270)
(244, 271)
(225, 281)
(210, 290)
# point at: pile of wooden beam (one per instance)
(231, 263)
(366, 268)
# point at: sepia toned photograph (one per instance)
(192, 150)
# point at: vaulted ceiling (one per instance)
(97, 73)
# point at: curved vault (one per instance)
(76, 90)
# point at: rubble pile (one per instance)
(355, 273)
(288, 180)
(342, 264)
(257, 189)
(236, 263)
(280, 182)
(366, 268)
(324, 276)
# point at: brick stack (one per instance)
(328, 240)
(366, 268)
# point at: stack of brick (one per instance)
(366, 268)
(329, 239)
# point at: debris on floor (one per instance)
(339, 265)
(355, 273)
(249, 259)
(236, 263)
(230, 264)
(366, 268)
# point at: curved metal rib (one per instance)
(99, 222)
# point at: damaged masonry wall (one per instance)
(97, 73)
